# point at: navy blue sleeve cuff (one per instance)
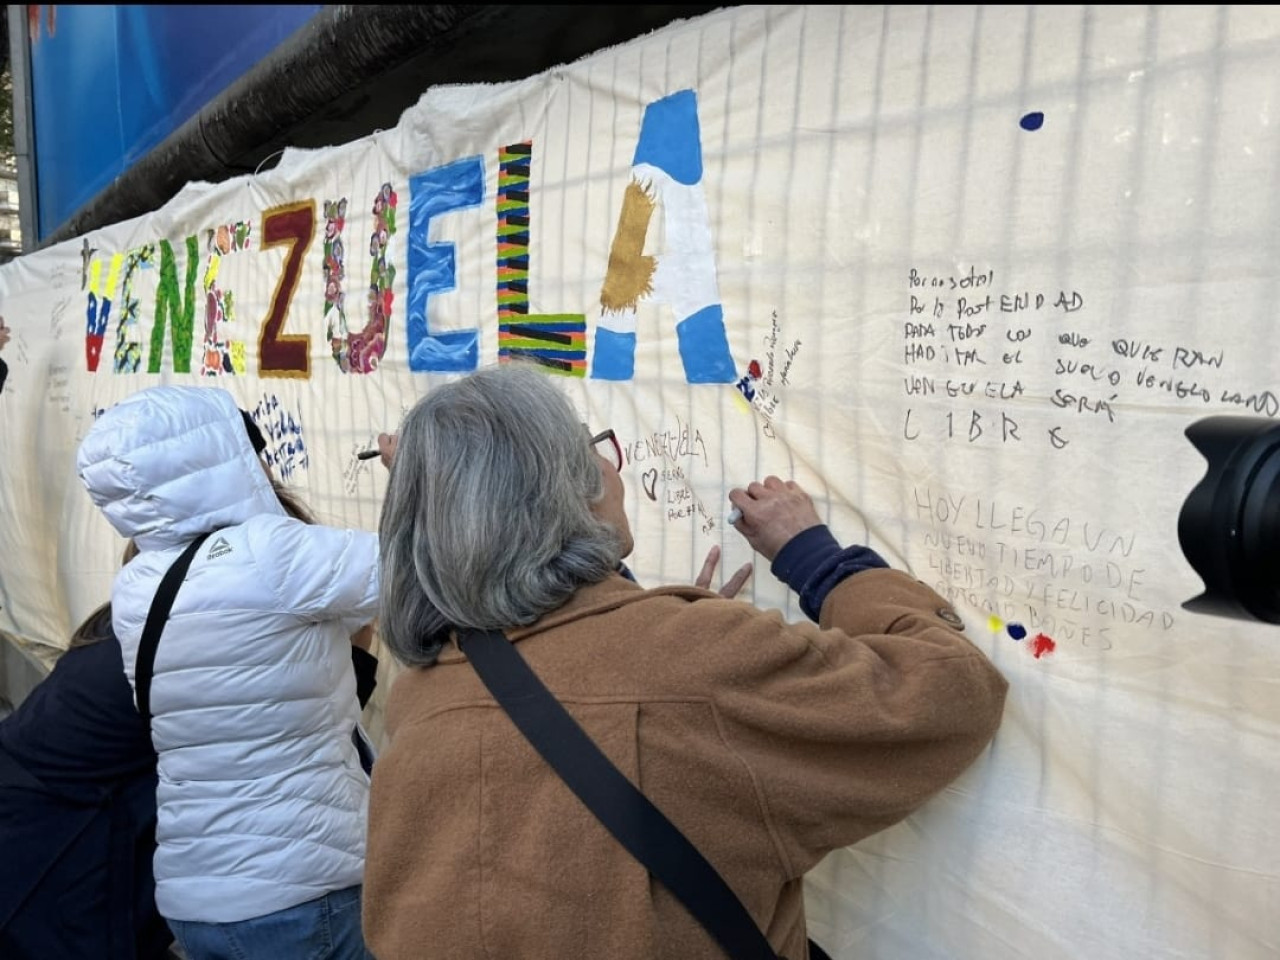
(812, 563)
(802, 555)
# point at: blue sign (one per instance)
(109, 83)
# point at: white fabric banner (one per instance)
(967, 273)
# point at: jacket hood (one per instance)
(169, 463)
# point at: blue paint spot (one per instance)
(670, 138)
(1032, 121)
(615, 355)
(1016, 630)
(704, 347)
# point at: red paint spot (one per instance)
(92, 351)
(753, 370)
(1040, 645)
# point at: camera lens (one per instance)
(1229, 526)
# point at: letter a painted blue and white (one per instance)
(668, 162)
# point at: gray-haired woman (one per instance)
(768, 744)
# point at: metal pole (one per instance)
(24, 148)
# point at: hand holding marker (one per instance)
(386, 449)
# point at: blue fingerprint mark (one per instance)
(1032, 121)
(1016, 630)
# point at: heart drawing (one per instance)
(649, 480)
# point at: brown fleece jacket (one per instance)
(769, 744)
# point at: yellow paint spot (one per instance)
(113, 273)
(211, 272)
(995, 624)
(630, 274)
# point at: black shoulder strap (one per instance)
(156, 619)
(639, 826)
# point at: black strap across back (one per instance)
(157, 617)
(628, 814)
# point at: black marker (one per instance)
(368, 454)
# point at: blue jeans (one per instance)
(327, 928)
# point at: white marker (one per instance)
(734, 516)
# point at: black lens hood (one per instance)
(1229, 525)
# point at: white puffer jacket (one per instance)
(262, 799)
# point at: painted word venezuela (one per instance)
(666, 176)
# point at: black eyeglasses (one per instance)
(606, 444)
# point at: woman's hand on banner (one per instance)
(732, 586)
(387, 447)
